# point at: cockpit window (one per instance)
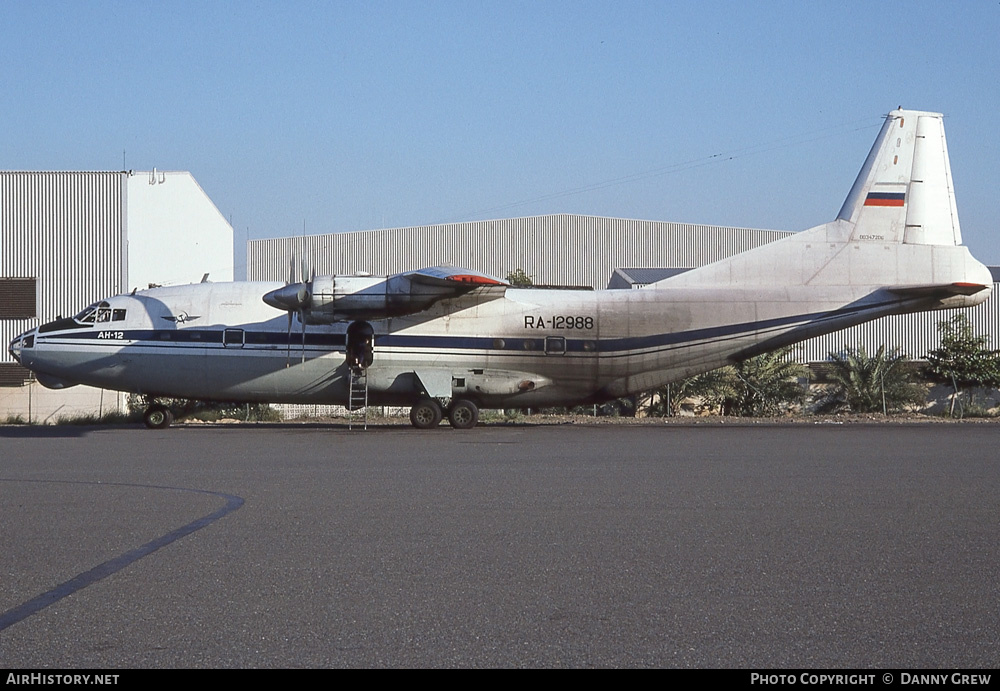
(99, 313)
(88, 315)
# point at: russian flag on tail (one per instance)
(885, 199)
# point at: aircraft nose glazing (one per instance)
(15, 348)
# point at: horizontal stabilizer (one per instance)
(938, 291)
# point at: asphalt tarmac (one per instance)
(843, 546)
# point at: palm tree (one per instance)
(870, 383)
(763, 385)
(711, 387)
(766, 384)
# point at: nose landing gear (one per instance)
(157, 416)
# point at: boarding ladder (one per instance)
(357, 402)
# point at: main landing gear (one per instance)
(428, 413)
(463, 414)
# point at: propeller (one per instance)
(295, 298)
(288, 335)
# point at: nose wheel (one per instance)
(157, 416)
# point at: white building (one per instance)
(68, 239)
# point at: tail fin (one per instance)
(897, 229)
(904, 192)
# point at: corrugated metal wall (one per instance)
(581, 250)
(560, 249)
(915, 334)
(66, 230)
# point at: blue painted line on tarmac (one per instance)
(112, 566)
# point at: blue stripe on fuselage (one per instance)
(151, 337)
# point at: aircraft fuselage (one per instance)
(529, 348)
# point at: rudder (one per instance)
(904, 192)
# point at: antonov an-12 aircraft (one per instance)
(449, 341)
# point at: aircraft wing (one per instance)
(462, 280)
(414, 291)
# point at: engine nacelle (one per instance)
(329, 299)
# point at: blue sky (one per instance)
(334, 116)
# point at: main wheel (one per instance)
(463, 414)
(426, 414)
(157, 416)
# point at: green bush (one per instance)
(964, 361)
(208, 411)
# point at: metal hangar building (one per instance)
(69, 239)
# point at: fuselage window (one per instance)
(118, 315)
(103, 315)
